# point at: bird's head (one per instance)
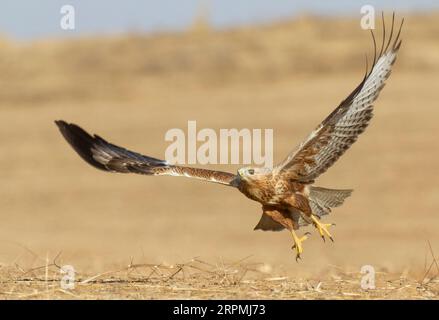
(250, 173)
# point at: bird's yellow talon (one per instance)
(323, 228)
(298, 243)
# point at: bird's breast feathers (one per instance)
(270, 191)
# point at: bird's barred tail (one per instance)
(323, 199)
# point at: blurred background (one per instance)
(132, 70)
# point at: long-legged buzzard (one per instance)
(287, 193)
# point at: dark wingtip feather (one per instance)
(80, 140)
(397, 42)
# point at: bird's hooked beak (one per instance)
(241, 174)
(236, 181)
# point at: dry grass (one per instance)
(198, 279)
(132, 89)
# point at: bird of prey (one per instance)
(287, 192)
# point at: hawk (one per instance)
(287, 192)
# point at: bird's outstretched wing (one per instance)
(109, 157)
(342, 127)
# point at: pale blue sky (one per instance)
(24, 19)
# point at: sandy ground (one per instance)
(197, 279)
(54, 205)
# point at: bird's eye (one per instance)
(251, 171)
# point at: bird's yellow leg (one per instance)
(322, 228)
(298, 243)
